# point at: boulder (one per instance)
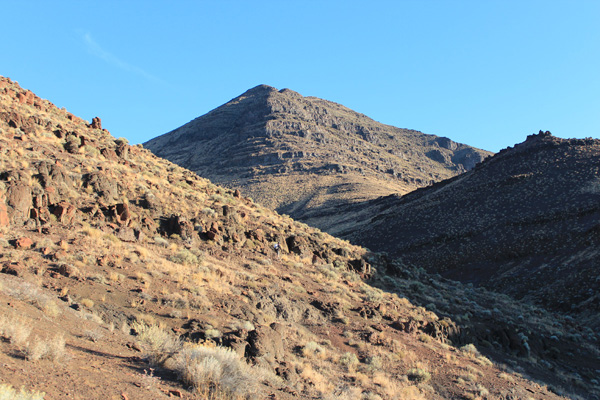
(64, 212)
(20, 200)
(297, 244)
(23, 243)
(13, 268)
(4, 220)
(266, 342)
(126, 235)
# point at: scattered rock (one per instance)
(23, 243)
(266, 342)
(126, 235)
(13, 268)
(64, 212)
(70, 271)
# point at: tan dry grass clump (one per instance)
(218, 372)
(7, 392)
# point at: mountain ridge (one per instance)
(528, 211)
(274, 144)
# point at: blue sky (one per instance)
(485, 73)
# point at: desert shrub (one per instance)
(7, 392)
(217, 370)
(184, 257)
(470, 349)
(30, 293)
(158, 344)
(15, 330)
(418, 375)
(161, 241)
(51, 349)
(312, 348)
(349, 360)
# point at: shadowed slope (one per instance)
(524, 222)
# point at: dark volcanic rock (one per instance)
(524, 222)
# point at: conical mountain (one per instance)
(525, 222)
(306, 157)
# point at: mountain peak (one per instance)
(260, 89)
(274, 144)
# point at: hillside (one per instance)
(524, 223)
(306, 157)
(124, 276)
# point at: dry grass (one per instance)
(15, 329)
(218, 372)
(7, 392)
(50, 349)
(158, 344)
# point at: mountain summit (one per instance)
(306, 156)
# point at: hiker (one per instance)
(277, 248)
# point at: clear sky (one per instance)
(486, 72)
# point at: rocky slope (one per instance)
(524, 223)
(123, 276)
(305, 156)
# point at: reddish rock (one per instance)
(16, 269)
(69, 271)
(4, 221)
(60, 255)
(20, 199)
(23, 243)
(123, 215)
(126, 235)
(96, 123)
(211, 235)
(64, 212)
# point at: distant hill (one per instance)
(525, 222)
(306, 157)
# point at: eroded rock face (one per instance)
(266, 342)
(105, 187)
(19, 199)
(96, 123)
(4, 220)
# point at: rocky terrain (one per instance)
(124, 276)
(524, 222)
(306, 157)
